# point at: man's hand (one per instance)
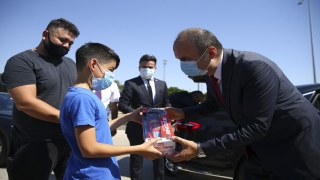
(189, 150)
(148, 151)
(175, 113)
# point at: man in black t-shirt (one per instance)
(38, 80)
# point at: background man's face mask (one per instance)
(146, 73)
(55, 50)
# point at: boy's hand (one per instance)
(136, 115)
(148, 151)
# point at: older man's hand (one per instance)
(189, 150)
(175, 113)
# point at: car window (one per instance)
(316, 100)
(6, 102)
(308, 95)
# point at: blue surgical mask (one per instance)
(190, 68)
(146, 73)
(102, 83)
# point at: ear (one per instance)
(45, 34)
(212, 51)
(93, 63)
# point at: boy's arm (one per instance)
(135, 116)
(90, 148)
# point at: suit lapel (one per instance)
(156, 87)
(227, 73)
(144, 89)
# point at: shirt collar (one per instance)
(145, 80)
(217, 74)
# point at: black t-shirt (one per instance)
(52, 77)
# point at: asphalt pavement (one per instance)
(147, 173)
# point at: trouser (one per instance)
(36, 160)
(136, 162)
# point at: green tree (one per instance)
(120, 86)
(172, 90)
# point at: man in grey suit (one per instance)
(145, 91)
(277, 126)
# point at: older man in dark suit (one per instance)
(145, 91)
(276, 124)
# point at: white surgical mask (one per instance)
(146, 73)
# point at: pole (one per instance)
(311, 36)
(312, 51)
(164, 69)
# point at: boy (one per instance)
(84, 120)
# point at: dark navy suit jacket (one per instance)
(135, 95)
(272, 116)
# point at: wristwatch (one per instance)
(200, 151)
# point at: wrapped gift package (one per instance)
(156, 123)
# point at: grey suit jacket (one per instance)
(135, 95)
(267, 108)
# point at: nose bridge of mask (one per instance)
(105, 72)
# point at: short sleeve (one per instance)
(115, 94)
(17, 72)
(83, 110)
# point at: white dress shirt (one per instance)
(151, 82)
(111, 94)
(218, 74)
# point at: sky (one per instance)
(277, 29)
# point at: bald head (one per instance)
(201, 39)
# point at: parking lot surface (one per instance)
(121, 139)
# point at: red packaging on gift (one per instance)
(156, 123)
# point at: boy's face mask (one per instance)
(102, 83)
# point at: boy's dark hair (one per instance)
(64, 24)
(148, 57)
(95, 50)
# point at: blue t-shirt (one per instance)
(82, 107)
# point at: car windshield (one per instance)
(6, 102)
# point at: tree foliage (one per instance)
(172, 90)
(120, 86)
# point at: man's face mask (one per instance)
(55, 50)
(146, 73)
(102, 83)
(190, 68)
